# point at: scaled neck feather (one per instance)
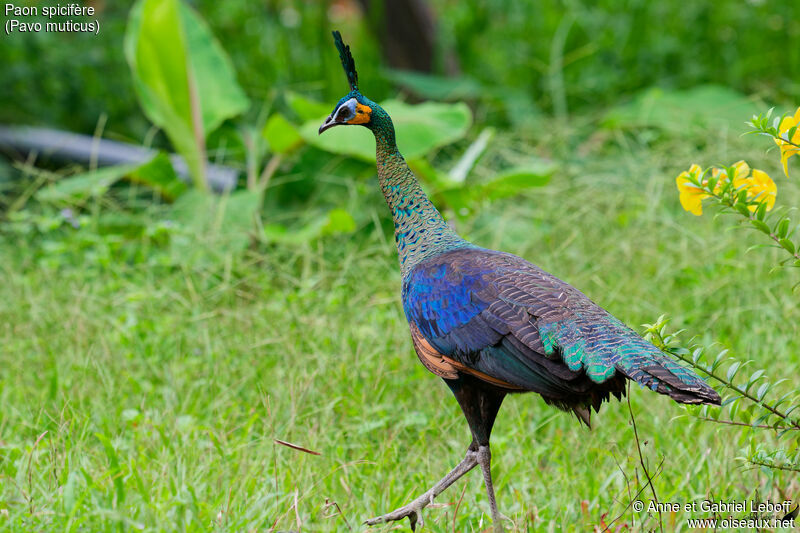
(419, 229)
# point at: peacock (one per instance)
(490, 323)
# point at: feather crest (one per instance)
(348, 64)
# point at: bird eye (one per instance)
(342, 114)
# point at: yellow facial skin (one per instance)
(363, 113)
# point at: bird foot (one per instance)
(497, 527)
(412, 511)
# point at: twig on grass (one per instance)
(458, 504)
(30, 474)
(641, 459)
(329, 504)
(296, 447)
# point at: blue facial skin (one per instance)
(378, 117)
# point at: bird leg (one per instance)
(485, 462)
(414, 509)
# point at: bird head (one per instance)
(354, 108)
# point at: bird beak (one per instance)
(328, 124)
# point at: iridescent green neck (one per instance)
(419, 229)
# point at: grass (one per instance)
(139, 397)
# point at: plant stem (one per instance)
(794, 423)
(641, 460)
(760, 426)
(728, 202)
(788, 468)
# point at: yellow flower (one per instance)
(691, 195)
(761, 188)
(740, 172)
(788, 149)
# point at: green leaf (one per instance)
(184, 80)
(741, 196)
(732, 370)
(782, 229)
(339, 221)
(306, 108)
(461, 197)
(755, 376)
(159, 175)
(420, 129)
(429, 174)
(333, 222)
(69, 492)
(514, 181)
(80, 187)
(761, 226)
(762, 391)
(674, 111)
(761, 211)
(712, 183)
(278, 233)
(718, 359)
(436, 87)
(281, 135)
(742, 209)
(115, 471)
(787, 245)
(214, 227)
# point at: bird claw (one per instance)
(413, 517)
(413, 512)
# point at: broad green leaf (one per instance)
(460, 199)
(732, 370)
(782, 228)
(742, 208)
(335, 221)
(503, 185)
(436, 87)
(760, 226)
(69, 492)
(80, 187)
(674, 110)
(514, 181)
(159, 175)
(280, 134)
(339, 221)
(762, 391)
(278, 233)
(214, 227)
(429, 175)
(184, 80)
(761, 210)
(419, 129)
(306, 108)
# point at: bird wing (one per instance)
(507, 322)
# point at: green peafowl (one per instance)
(490, 323)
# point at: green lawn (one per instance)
(140, 397)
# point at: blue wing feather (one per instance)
(500, 315)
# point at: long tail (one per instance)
(665, 376)
(650, 367)
(614, 347)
